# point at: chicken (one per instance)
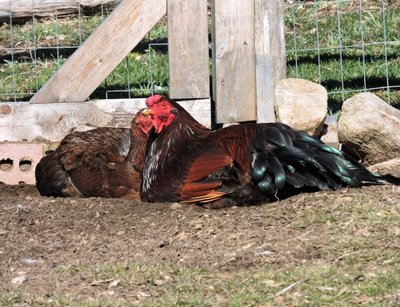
(237, 165)
(104, 162)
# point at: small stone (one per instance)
(264, 253)
(114, 283)
(142, 295)
(19, 280)
(158, 282)
(28, 261)
(176, 206)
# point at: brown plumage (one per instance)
(241, 164)
(103, 162)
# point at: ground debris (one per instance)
(94, 247)
(19, 280)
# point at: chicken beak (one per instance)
(147, 112)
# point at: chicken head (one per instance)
(144, 121)
(161, 110)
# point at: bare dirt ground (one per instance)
(45, 243)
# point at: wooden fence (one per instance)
(23, 9)
(248, 57)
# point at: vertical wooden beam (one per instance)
(88, 66)
(188, 49)
(234, 60)
(270, 54)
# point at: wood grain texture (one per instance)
(21, 121)
(270, 55)
(45, 8)
(102, 51)
(265, 89)
(188, 49)
(234, 61)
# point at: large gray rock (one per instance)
(301, 104)
(370, 127)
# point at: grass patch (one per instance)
(337, 46)
(141, 75)
(26, 77)
(51, 32)
(42, 46)
(312, 285)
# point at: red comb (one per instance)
(152, 100)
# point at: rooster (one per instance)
(237, 165)
(103, 162)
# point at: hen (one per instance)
(104, 162)
(241, 164)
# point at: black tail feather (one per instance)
(388, 179)
(305, 161)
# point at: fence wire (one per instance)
(33, 47)
(348, 46)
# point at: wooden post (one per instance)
(88, 66)
(234, 72)
(188, 49)
(270, 55)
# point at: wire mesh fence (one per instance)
(33, 47)
(348, 46)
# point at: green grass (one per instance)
(143, 71)
(68, 31)
(312, 285)
(25, 77)
(305, 33)
(139, 73)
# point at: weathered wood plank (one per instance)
(188, 49)
(234, 61)
(265, 89)
(52, 121)
(45, 8)
(102, 51)
(270, 55)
